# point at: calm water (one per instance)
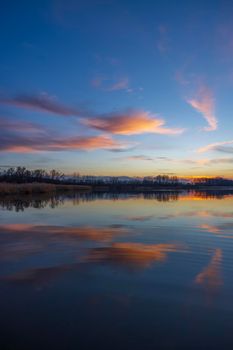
(106, 271)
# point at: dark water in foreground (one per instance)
(106, 271)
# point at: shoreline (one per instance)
(7, 188)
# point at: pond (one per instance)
(117, 271)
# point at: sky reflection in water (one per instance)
(117, 271)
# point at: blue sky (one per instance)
(117, 87)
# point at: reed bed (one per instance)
(35, 188)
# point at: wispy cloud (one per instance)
(131, 123)
(140, 218)
(207, 161)
(220, 161)
(98, 81)
(197, 162)
(24, 137)
(180, 77)
(122, 84)
(18, 126)
(217, 146)
(107, 84)
(204, 103)
(42, 102)
(139, 157)
(163, 41)
(22, 144)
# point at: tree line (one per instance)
(24, 175)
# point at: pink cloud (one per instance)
(25, 137)
(204, 103)
(18, 126)
(85, 143)
(217, 146)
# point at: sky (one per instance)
(117, 87)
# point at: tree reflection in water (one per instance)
(20, 203)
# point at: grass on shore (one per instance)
(33, 188)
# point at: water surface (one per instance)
(117, 271)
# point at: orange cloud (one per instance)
(210, 276)
(90, 143)
(210, 228)
(128, 123)
(131, 123)
(221, 228)
(133, 254)
(83, 233)
(16, 227)
(204, 104)
(29, 240)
